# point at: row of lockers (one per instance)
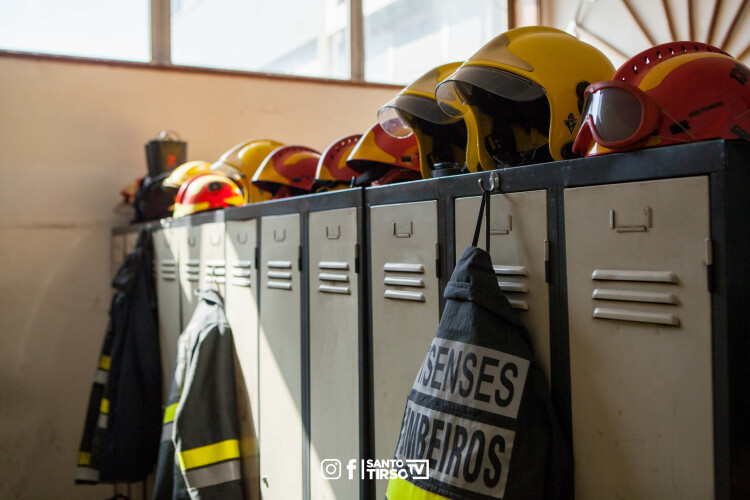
(334, 300)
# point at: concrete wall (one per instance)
(72, 136)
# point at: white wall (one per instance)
(72, 136)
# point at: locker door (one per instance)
(213, 264)
(242, 313)
(405, 310)
(640, 339)
(118, 252)
(130, 240)
(190, 268)
(334, 349)
(519, 250)
(280, 359)
(168, 300)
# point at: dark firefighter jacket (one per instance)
(121, 433)
(199, 456)
(479, 411)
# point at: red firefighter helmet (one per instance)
(333, 172)
(377, 154)
(287, 171)
(670, 94)
(207, 191)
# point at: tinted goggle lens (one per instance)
(616, 113)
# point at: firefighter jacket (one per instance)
(479, 413)
(199, 456)
(121, 432)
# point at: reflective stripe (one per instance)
(102, 422)
(216, 474)
(211, 454)
(104, 362)
(101, 376)
(104, 407)
(401, 488)
(84, 458)
(166, 432)
(169, 413)
(87, 474)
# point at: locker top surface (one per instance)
(697, 158)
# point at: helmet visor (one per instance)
(393, 123)
(616, 114)
(394, 116)
(459, 88)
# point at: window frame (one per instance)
(160, 42)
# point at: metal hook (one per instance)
(494, 179)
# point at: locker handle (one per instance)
(330, 235)
(191, 241)
(631, 228)
(215, 239)
(403, 232)
(240, 240)
(277, 238)
(503, 230)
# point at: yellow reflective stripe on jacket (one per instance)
(211, 454)
(84, 458)
(104, 362)
(400, 489)
(104, 407)
(169, 413)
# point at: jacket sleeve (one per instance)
(169, 484)
(206, 432)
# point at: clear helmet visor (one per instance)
(393, 123)
(396, 116)
(456, 92)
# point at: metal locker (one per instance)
(280, 358)
(131, 239)
(213, 264)
(117, 249)
(168, 300)
(189, 269)
(520, 256)
(242, 312)
(334, 348)
(405, 310)
(640, 339)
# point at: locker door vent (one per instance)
(241, 274)
(168, 269)
(193, 270)
(515, 291)
(279, 270)
(330, 282)
(216, 271)
(400, 281)
(658, 302)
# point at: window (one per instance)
(406, 38)
(400, 39)
(106, 29)
(292, 37)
